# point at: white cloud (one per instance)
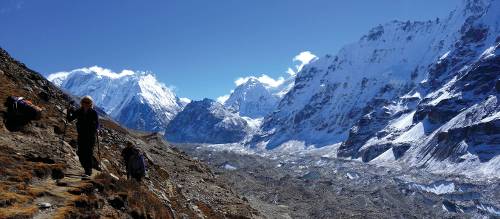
(303, 58)
(223, 99)
(58, 77)
(106, 72)
(185, 100)
(264, 79)
(103, 72)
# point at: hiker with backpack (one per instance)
(20, 112)
(134, 162)
(86, 125)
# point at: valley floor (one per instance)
(311, 186)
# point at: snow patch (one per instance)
(444, 56)
(403, 122)
(385, 157)
(352, 175)
(488, 53)
(228, 166)
(415, 133)
(223, 99)
(437, 188)
(489, 208)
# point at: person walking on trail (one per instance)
(134, 162)
(86, 125)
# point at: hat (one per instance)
(87, 98)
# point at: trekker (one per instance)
(20, 112)
(134, 162)
(86, 125)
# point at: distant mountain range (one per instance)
(408, 93)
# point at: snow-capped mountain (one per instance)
(252, 99)
(135, 99)
(207, 121)
(420, 91)
(256, 97)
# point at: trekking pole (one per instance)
(62, 139)
(65, 128)
(98, 147)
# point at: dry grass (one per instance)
(16, 193)
(16, 168)
(18, 212)
(10, 198)
(127, 197)
(42, 170)
(206, 210)
(80, 206)
(137, 200)
(64, 212)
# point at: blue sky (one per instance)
(200, 47)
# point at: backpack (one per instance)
(22, 109)
(136, 164)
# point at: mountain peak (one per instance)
(206, 121)
(252, 99)
(124, 96)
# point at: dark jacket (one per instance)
(87, 123)
(134, 162)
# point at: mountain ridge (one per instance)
(135, 99)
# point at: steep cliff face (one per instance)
(399, 76)
(135, 99)
(41, 177)
(449, 122)
(207, 121)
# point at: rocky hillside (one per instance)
(41, 177)
(135, 99)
